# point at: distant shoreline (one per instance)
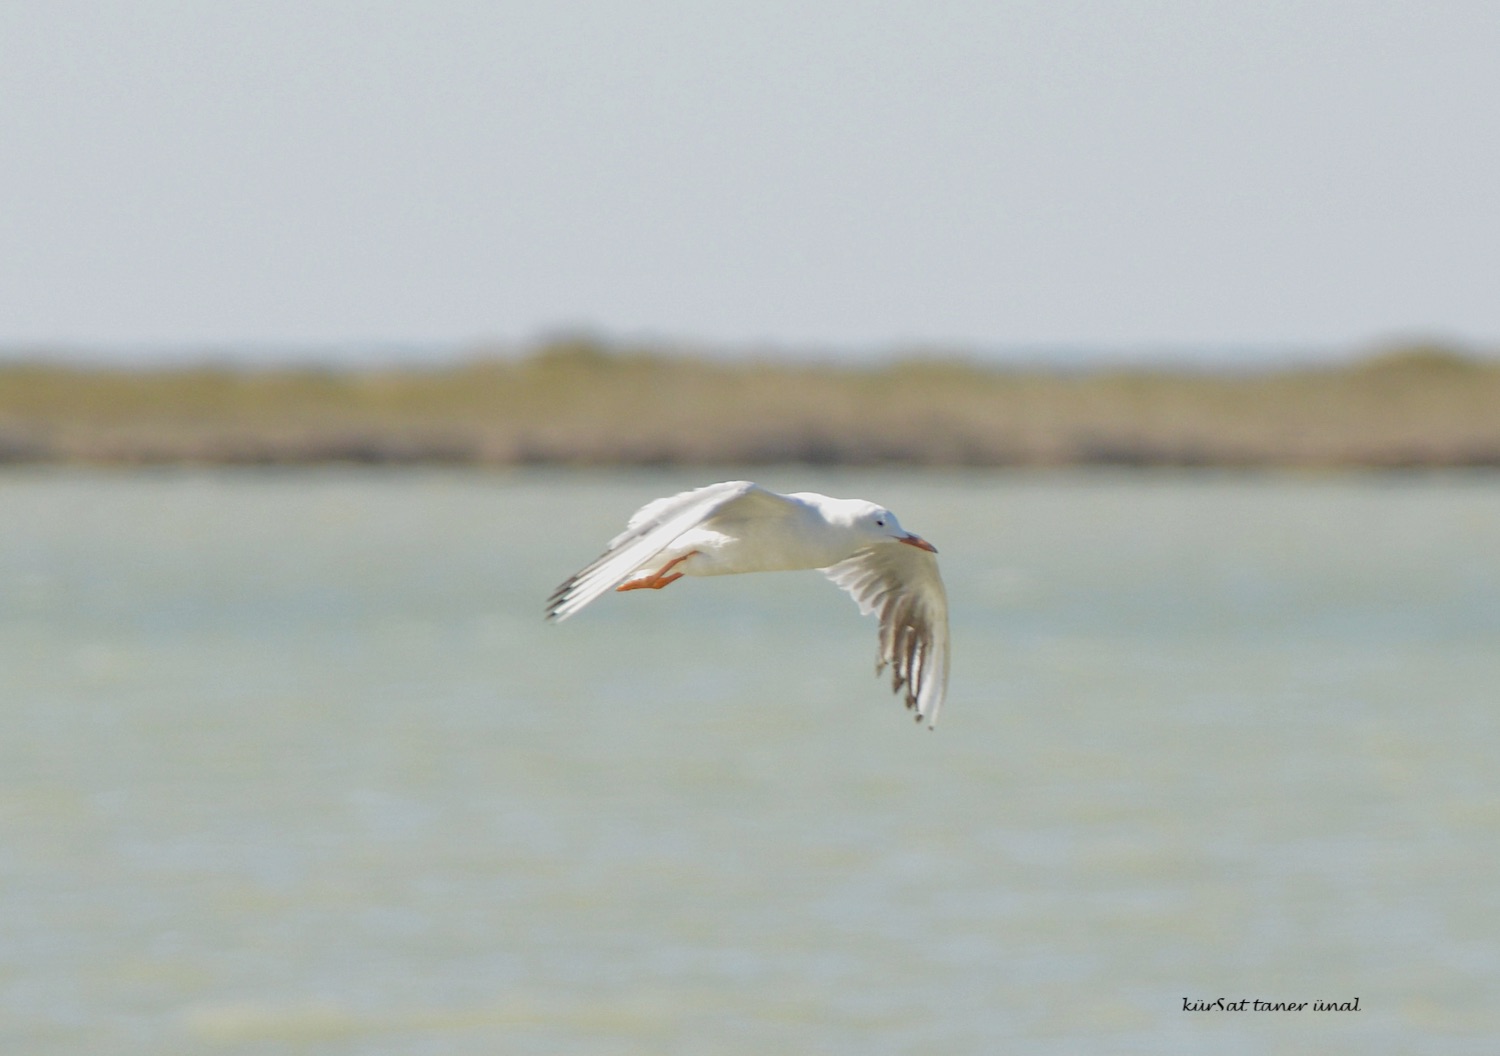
(579, 403)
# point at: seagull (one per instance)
(739, 526)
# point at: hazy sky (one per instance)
(842, 174)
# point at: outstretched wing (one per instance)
(901, 585)
(651, 530)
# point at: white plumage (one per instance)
(738, 526)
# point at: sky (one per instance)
(844, 176)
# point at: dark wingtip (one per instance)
(558, 596)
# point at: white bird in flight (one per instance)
(738, 526)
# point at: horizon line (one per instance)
(358, 354)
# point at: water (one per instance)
(290, 764)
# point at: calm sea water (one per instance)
(289, 763)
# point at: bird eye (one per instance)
(879, 522)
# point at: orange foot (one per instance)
(660, 578)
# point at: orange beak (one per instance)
(918, 542)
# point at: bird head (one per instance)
(881, 524)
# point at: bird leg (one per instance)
(659, 578)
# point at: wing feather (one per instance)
(901, 585)
(651, 530)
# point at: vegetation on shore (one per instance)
(580, 403)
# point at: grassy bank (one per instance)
(575, 403)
